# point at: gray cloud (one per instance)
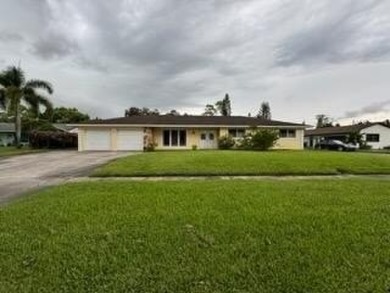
(10, 37)
(53, 46)
(349, 31)
(373, 108)
(185, 54)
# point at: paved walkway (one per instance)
(19, 174)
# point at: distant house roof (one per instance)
(63, 127)
(7, 127)
(339, 130)
(192, 120)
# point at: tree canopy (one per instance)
(264, 111)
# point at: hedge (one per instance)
(52, 140)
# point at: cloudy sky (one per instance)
(304, 57)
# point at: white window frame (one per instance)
(290, 133)
(178, 137)
(236, 130)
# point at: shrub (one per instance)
(194, 147)
(386, 147)
(226, 142)
(364, 146)
(52, 139)
(150, 147)
(260, 139)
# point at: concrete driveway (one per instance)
(19, 174)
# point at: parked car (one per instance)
(337, 145)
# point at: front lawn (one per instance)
(12, 151)
(197, 163)
(199, 236)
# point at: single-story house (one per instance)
(376, 135)
(7, 133)
(167, 132)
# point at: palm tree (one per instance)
(15, 90)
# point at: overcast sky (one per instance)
(303, 57)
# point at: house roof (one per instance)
(191, 120)
(7, 127)
(63, 127)
(339, 130)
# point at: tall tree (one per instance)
(135, 111)
(264, 111)
(173, 113)
(323, 121)
(15, 91)
(65, 115)
(224, 106)
(209, 110)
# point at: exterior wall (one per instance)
(384, 135)
(155, 135)
(291, 143)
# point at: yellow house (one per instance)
(167, 132)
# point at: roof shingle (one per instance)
(192, 120)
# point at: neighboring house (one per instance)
(167, 132)
(7, 134)
(376, 135)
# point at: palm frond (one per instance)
(34, 101)
(3, 99)
(12, 76)
(39, 84)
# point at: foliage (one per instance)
(65, 115)
(226, 142)
(264, 111)
(52, 139)
(185, 236)
(16, 90)
(194, 147)
(135, 111)
(364, 146)
(259, 139)
(150, 147)
(203, 163)
(323, 121)
(210, 110)
(355, 138)
(386, 147)
(224, 106)
(173, 113)
(31, 125)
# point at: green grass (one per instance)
(199, 236)
(13, 151)
(197, 163)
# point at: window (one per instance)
(174, 137)
(372, 137)
(166, 138)
(203, 136)
(183, 137)
(211, 136)
(287, 133)
(237, 132)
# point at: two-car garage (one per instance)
(111, 139)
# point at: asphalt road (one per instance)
(20, 174)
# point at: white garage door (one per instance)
(130, 139)
(98, 140)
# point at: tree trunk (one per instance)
(18, 125)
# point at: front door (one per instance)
(208, 139)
